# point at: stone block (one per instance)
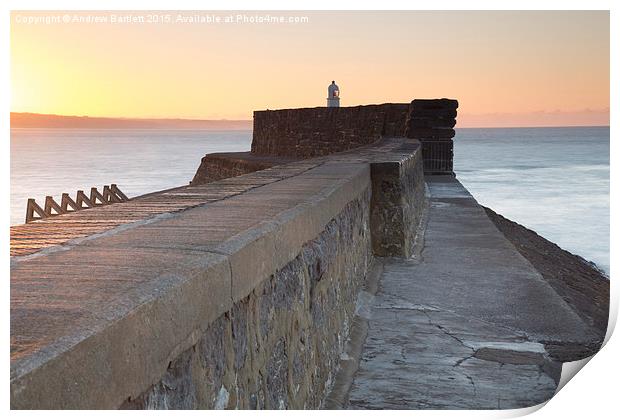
(434, 104)
(431, 122)
(397, 203)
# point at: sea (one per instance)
(554, 181)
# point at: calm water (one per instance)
(53, 161)
(552, 180)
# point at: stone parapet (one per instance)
(309, 132)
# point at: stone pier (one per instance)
(330, 267)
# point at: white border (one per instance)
(592, 394)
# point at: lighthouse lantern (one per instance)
(333, 95)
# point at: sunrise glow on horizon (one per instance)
(513, 68)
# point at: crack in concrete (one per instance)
(462, 360)
(518, 334)
(449, 334)
(473, 384)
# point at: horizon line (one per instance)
(238, 120)
(238, 129)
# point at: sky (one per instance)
(506, 68)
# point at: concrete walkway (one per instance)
(461, 325)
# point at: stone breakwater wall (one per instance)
(304, 133)
(279, 346)
(309, 132)
(216, 166)
(243, 302)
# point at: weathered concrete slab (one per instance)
(414, 358)
(462, 325)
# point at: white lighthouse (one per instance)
(333, 95)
